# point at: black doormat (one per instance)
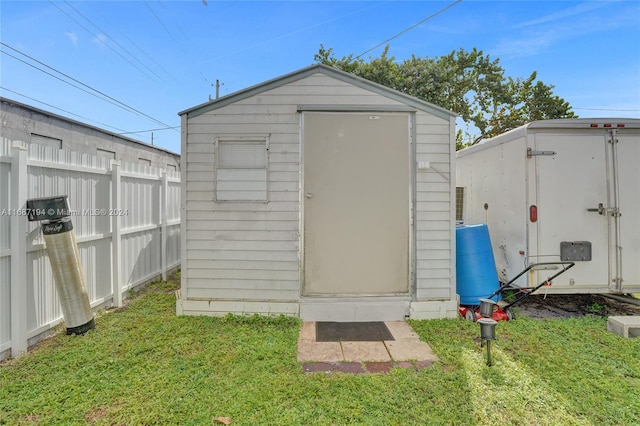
(352, 332)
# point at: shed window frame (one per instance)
(240, 140)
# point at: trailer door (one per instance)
(626, 156)
(570, 173)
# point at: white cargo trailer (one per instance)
(559, 190)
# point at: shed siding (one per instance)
(434, 206)
(250, 250)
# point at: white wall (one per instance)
(34, 126)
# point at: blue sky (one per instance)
(160, 57)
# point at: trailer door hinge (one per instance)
(614, 212)
(531, 153)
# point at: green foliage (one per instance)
(468, 83)
(144, 365)
(509, 296)
(595, 308)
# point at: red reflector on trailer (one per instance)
(533, 213)
(607, 125)
(594, 125)
(620, 125)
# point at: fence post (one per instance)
(163, 223)
(19, 344)
(116, 236)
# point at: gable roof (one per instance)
(322, 69)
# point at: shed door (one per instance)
(356, 203)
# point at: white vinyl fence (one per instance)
(127, 222)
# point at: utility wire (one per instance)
(52, 75)
(176, 24)
(165, 28)
(290, 33)
(60, 109)
(112, 39)
(410, 28)
(149, 130)
(109, 99)
(148, 56)
(136, 45)
(607, 109)
(100, 40)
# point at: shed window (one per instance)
(242, 170)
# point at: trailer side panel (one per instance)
(560, 190)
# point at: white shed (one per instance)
(322, 195)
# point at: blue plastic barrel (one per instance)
(475, 266)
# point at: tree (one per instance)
(470, 84)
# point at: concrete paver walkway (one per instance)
(406, 351)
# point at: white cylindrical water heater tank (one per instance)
(62, 248)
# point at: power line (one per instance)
(410, 28)
(147, 55)
(150, 130)
(136, 45)
(607, 109)
(165, 27)
(99, 39)
(112, 39)
(156, 63)
(177, 24)
(52, 75)
(290, 33)
(109, 99)
(59, 109)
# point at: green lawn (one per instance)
(144, 365)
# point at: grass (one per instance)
(144, 365)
